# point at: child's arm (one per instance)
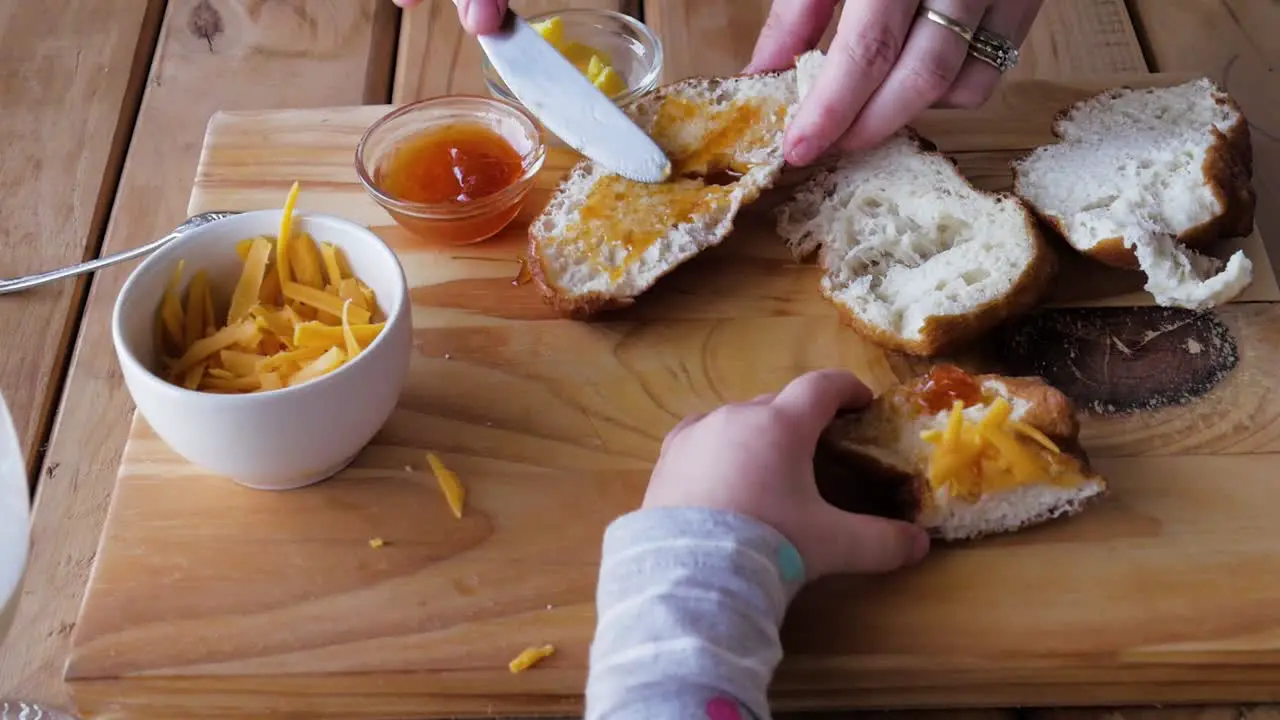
(693, 586)
(689, 604)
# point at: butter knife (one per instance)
(569, 105)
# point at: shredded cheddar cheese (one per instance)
(531, 656)
(970, 459)
(295, 314)
(282, 240)
(454, 493)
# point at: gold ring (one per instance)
(994, 49)
(948, 23)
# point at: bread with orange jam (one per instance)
(964, 456)
(602, 239)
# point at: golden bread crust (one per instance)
(1227, 170)
(942, 334)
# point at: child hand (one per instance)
(756, 459)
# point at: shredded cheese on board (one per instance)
(531, 656)
(971, 459)
(296, 314)
(454, 493)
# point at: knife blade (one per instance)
(569, 105)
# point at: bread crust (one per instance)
(943, 333)
(844, 455)
(1227, 170)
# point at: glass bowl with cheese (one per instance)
(618, 53)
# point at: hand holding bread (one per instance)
(755, 458)
(889, 62)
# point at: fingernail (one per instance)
(471, 12)
(800, 151)
(920, 546)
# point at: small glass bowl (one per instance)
(453, 223)
(634, 51)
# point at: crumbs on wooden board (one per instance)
(376, 542)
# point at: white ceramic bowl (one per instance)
(15, 519)
(279, 439)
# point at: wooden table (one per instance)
(106, 104)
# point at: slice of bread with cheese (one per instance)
(1141, 177)
(964, 456)
(602, 240)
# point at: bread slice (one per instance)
(915, 258)
(602, 240)
(892, 457)
(1141, 177)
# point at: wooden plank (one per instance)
(212, 54)
(69, 89)
(1072, 38)
(1191, 712)
(437, 58)
(705, 37)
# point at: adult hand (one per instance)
(756, 459)
(478, 17)
(886, 65)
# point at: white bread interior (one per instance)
(1140, 173)
(889, 430)
(706, 126)
(916, 257)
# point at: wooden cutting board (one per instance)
(208, 599)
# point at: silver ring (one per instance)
(995, 50)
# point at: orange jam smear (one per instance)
(455, 165)
(944, 385)
(621, 218)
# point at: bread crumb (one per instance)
(447, 356)
(408, 468)
(376, 543)
(530, 656)
(1194, 347)
(551, 607)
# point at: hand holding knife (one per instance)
(569, 105)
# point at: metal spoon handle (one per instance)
(29, 281)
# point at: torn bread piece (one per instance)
(1142, 178)
(964, 456)
(916, 258)
(603, 240)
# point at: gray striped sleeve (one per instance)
(689, 603)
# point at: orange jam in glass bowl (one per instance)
(452, 170)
